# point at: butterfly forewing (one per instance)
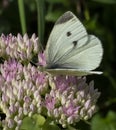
(63, 37)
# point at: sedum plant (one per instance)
(31, 98)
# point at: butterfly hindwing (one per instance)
(73, 72)
(85, 57)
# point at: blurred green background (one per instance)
(99, 17)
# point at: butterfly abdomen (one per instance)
(53, 66)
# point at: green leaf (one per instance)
(49, 125)
(33, 123)
(104, 123)
(106, 1)
(27, 124)
(39, 119)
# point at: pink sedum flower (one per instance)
(42, 59)
(21, 48)
(25, 90)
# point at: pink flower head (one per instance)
(25, 90)
(71, 110)
(42, 59)
(50, 102)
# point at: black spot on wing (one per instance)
(68, 34)
(65, 17)
(75, 43)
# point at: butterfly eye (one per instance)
(68, 34)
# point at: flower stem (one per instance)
(22, 16)
(41, 19)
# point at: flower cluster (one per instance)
(21, 48)
(21, 88)
(71, 99)
(25, 90)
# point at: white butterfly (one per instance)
(70, 50)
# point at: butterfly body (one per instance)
(71, 50)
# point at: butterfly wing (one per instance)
(86, 57)
(69, 46)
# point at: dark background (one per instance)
(99, 18)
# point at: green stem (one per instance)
(41, 19)
(86, 11)
(22, 16)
